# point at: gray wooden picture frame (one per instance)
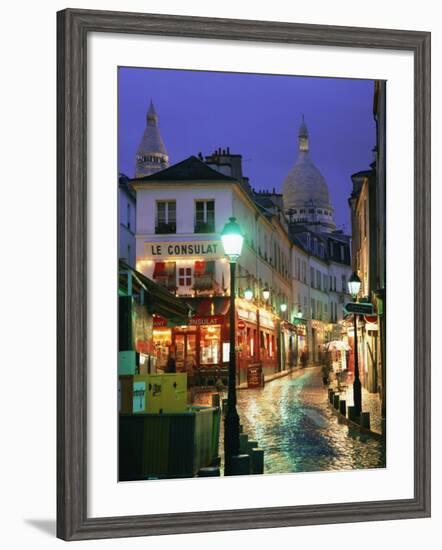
(73, 27)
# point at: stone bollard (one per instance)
(343, 407)
(351, 412)
(336, 401)
(365, 420)
(257, 461)
(210, 471)
(240, 465)
(215, 400)
(251, 445)
(330, 395)
(243, 440)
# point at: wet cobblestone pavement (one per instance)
(292, 421)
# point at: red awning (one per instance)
(200, 267)
(159, 270)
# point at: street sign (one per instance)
(362, 308)
(241, 325)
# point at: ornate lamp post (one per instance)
(354, 285)
(232, 240)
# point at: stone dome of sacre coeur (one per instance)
(304, 185)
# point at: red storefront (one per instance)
(202, 346)
(257, 339)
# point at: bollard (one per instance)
(241, 428)
(224, 403)
(330, 395)
(365, 420)
(216, 461)
(251, 445)
(210, 471)
(336, 401)
(215, 400)
(241, 465)
(342, 407)
(257, 461)
(243, 440)
(384, 427)
(351, 413)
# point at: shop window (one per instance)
(210, 345)
(185, 276)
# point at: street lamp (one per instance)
(266, 293)
(248, 294)
(283, 308)
(299, 314)
(354, 286)
(232, 240)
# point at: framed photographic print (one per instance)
(243, 274)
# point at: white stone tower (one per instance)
(151, 154)
(305, 192)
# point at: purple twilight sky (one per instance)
(257, 116)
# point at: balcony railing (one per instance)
(205, 281)
(164, 228)
(204, 227)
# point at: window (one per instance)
(324, 282)
(312, 277)
(342, 252)
(128, 216)
(166, 217)
(318, 279)
(344, 283)
(313, 315)
(185, 276)
(334, 282)
(205, 216)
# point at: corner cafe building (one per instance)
(198, 273)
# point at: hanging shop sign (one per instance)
(185, 249)
(241, 325)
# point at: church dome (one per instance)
(305, 185)
(151, 154)
(305, 191)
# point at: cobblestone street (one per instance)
(292, 421)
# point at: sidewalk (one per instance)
(204, 396)
(371, 403)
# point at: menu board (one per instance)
(254, 376)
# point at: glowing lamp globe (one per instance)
(283, 308)
(266, 293)
(299, 314)
(354, 285)
(248, 294)
(232, 240)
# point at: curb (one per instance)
(356, 426)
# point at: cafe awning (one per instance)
(157, 299)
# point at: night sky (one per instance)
(257, 116)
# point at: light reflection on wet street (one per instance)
(292, 421)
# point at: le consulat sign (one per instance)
(183, 249)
